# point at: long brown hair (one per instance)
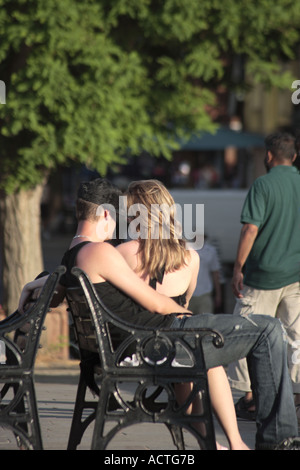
(160, 244)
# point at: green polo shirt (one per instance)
(273, 205)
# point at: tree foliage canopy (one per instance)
(88, 79)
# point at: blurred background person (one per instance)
(207, 297)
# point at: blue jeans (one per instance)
(262, 340)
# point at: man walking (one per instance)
(266, 276)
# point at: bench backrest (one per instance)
(152, 351)
(21, 332)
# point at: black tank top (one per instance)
(179, 299)
(113, 298)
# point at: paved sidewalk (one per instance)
(56, 388)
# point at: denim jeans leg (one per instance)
(261, 339)
(272, 386)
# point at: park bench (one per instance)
(19, 339)
(147, 360)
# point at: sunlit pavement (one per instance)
(56, 388)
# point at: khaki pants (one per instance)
(281, 303)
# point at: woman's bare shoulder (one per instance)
(131, 247)
(193, 257)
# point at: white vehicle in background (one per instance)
(222, 210)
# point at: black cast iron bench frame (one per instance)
(21, 335)
(154, 351)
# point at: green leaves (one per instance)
(87, 80)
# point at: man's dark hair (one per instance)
(92, 194)
(281, 145)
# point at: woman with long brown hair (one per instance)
(160, 257)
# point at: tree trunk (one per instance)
(20, 237)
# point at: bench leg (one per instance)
(79, 425)
(22, 414)
(177, 436)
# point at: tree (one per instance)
(86, 80)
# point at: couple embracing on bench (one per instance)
(149, 282)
